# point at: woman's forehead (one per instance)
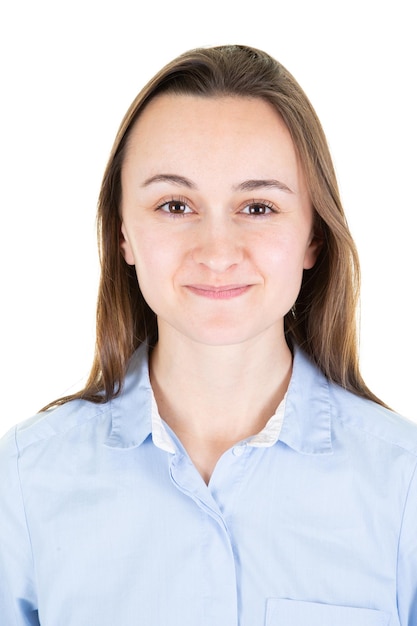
(224, 133)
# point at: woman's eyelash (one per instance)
(177, 206)
(174, 206)
(259, 207)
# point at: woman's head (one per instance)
(216, 218)
(323, 318)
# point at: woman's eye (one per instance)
(258, 208)
(175, 207)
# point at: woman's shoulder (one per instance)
(374, 420)
(77, 413)
(55, 422)
(315, 396)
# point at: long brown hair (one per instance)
(323, 320)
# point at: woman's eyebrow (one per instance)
(251, 185)
(170, 178)
(247, 185)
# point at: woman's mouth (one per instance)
(224, 292)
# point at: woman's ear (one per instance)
(125, 246)
(313, 250)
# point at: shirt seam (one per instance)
(57, 433)
(413, 474)
(29, 536)
(411, 451)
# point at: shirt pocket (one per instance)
(296, 613)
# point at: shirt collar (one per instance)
(302, 421)
(307, 423)
(270, 433)
(131, 410)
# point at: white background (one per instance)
(69, 72)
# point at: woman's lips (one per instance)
(224, 292)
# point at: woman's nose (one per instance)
(218, 247)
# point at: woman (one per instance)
(225, 463)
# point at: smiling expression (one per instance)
(216, 217)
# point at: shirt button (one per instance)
(238, 450)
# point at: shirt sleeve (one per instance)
(17, 588)
(407, 559)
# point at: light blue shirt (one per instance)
(104, 522)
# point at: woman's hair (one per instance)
(323, 319)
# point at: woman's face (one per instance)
(216, 217)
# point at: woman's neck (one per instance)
(214, 396)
